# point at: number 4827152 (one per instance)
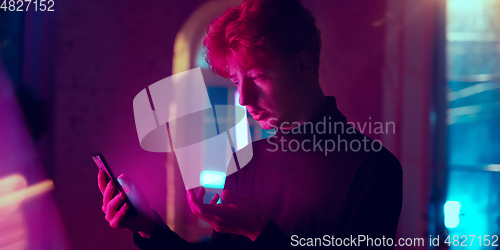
(24, 5)
(482, 240)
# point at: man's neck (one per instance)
(316, 102)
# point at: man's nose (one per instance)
(248, 92)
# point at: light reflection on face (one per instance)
(270, 92)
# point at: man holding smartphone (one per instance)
(286, 194)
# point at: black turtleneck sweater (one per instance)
(307, 189)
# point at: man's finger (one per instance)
(196, 197)
(206, 211)
(108, 194)
(113, 206)
(196, 205)
(120, 216)
(102, 180)
(215, 199)
(230, 197)
(201, 193)
(193, 202)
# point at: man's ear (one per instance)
(305, 63)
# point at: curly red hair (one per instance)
(248, 34)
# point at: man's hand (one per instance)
(236, 215)
(111, 200)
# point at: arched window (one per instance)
(188, 54)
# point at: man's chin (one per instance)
(267, 123)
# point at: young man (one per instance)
(296, 190)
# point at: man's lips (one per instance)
(258, 115)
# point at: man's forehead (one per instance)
(233, 72)
(246, 61)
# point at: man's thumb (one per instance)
(127, 183)
(231, 197)
(134, 193)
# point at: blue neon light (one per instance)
(212, 179)
(451, 213)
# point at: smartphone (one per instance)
(103, 165)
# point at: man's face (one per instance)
(270, 92)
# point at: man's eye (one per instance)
(235, 83)
(258, 77)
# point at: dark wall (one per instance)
(106, 52)
(352, 56)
